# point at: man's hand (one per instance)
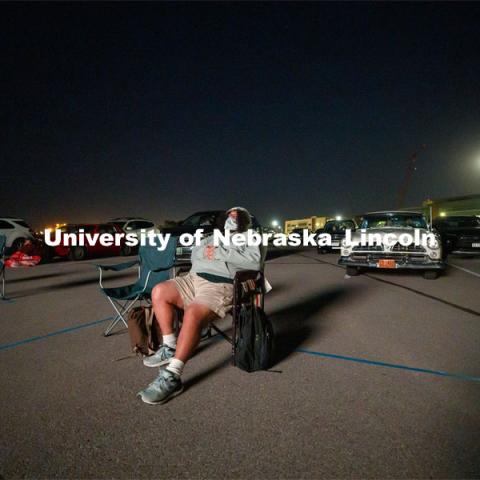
(209, 252)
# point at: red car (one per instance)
(97, 250)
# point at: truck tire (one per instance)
(431, 274)
(353, 271)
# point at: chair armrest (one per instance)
(155, 270)
(116, 268)
(119, 267)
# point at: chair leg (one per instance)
(121, 311)
(220, 332)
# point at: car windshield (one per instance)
(22, 223)
(397, 220)
(199, 219)
(339, 226)
(118, 224)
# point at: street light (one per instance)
(338, 217)
(274, 223)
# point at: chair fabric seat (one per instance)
(127, 292)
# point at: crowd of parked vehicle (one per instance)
(456, 235)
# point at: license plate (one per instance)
(476, 245)
(335, 244)
(387, 263)
(179, 251)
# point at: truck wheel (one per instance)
(353, 271)
(78, 253)
(430, 274)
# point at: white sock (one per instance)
(170, 340)
(175, 366)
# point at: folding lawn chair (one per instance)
(154, 267)
(3, 242)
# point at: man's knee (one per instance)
(163, 292)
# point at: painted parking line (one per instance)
(440, 373)
(7, 346)
(471, 272)
(458, 376)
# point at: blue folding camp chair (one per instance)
(3, 242)
(154, 267)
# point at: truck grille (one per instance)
(400, 258)
(408, 249)
(368, 248)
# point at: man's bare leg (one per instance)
(165, 297)
(196, 317)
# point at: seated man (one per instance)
(204, 294)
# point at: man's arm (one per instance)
(198, 251)
(244, 257)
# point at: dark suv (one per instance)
(460, 234)
(208, 221)
(336, 229)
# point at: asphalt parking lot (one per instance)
(377, 376)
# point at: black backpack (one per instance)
(254, 342)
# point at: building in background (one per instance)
(444, 207)
(310, 223)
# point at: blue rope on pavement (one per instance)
(6, 346)
(440, 373)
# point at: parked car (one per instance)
(132, 225)
(16, 230)
(428, 259)
(97, 250)
(460, 234)
(207, 220)
(336, 229)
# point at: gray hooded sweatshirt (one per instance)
(227, 260)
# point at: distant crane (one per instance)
(408, 177)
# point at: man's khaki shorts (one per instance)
(218, 297)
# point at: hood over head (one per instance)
(244, 219)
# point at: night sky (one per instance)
(161, 110)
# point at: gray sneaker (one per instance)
(166, 386)
(161, 357)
